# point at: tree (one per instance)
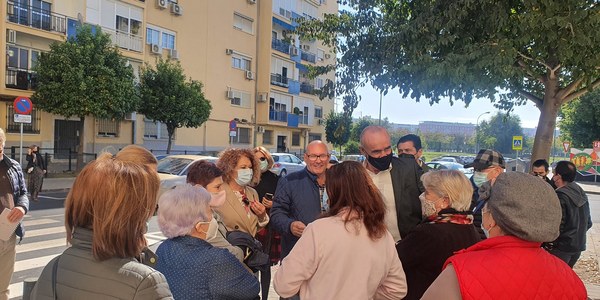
(168, 98)
(498, 133)
(507, 51)
(352, 147)
(580, 122)
(85, 76)
(337, 129)
(358, 127)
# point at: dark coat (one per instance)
(406, 181)
(576, 219)
(17, 181)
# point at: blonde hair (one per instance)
(137, 154)
(265, 152)
(228, 161)
(452, 184)
(114, 197)
(2, 137)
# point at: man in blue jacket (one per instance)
(13, 196)
(300, 197)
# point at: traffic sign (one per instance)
(232, 125)
(566, 146)
(517, 142)
(22, 105)
(22, 118)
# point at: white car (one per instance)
(173, 169)
(285, 163)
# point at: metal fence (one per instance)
(58, 160)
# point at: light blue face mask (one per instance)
(263, 165)
(244, 177)
(485, 231)
(479, 178)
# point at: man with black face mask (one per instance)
(398, 180)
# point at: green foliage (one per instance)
(352, 147)
(168, 98)
(337, 128)
(357, 128)
(497, 134)
(581, 121)
(85, 76)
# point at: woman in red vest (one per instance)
(521, 213)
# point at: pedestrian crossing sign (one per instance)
(517, 142)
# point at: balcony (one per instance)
(307, 88)
(20, 79)
(280, 116)
(307, 56)
(125, 40)
(280, 46)
(279, 80)
(303, 119)
(36, 17)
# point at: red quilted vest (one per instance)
(507, 267)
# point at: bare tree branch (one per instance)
(533, 98)
(569, 88)
(581, 92)
(528, 71)
(536, 60)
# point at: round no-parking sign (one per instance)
(22, 105)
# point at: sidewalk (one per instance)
(587, 267)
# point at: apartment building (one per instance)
(253, 70)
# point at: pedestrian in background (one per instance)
(541, 168)
(521, 213)
(36, 168)
(411, 144)
(447, 227)
(193, 267)
(348, 254)
(106, 213)
(13, 196)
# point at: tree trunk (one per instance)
(81, 136)
(544, 134)
(170, 132)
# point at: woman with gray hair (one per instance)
(447, 227)
(194, 268)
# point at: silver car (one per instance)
(285, 163)
(173, 169)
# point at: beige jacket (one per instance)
(332, 261)
(234, 213)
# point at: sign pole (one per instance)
(21, 147)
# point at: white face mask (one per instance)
(485, 231)
(213, 229)
(217, 199)
(427, 207)
(244, 177)
(263, 165)
(479, 178)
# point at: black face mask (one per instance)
(381, 163)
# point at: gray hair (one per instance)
(181, 208)
(452, 184)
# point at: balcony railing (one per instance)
(307, 56)
(20, 79)
(307, 88)
(276, 115)
(36, 17)
(125, 40)
(279, 80)
(280, 46)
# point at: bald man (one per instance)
(299, 197)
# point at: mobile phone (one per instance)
(269, 196)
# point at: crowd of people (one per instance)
(386, 228)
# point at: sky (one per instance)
(408, 111)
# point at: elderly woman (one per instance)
(105, 218)
(242, 209)
(207, 175)
(348, 254)
(521, 213)
(193, 267)
(447, 227)
(36, 168)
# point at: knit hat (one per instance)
(525, 206)
(487, 158)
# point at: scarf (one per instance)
(450, 215)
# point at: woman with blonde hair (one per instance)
(105, 218)
(446, 228)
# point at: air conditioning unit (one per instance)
(249, 75)
(252, 1)
(228, 51)
(11, 36)
(155, 48)
(173, 54)
(176, 9)
(305, 47)
(131, 116)
(262, 97)
(294, 51)
(229, 94)
(327, 56)
(162, 4)
(261, 129)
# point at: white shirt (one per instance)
(383, 181)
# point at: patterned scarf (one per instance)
(450, 215)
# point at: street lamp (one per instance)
(477, 131)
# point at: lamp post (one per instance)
(380, 98)
(477, 131)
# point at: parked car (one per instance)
(286, 163)
(173, 169)
(446, 165)
(358, 158)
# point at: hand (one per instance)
(258, 209)
(16, 214)
(297, 228)
(267, 203)
(45, 171)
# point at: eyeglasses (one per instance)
(313, 157)
(263, 158)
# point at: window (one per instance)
(158, 36)
(108, 127)
(155, 130)
(168, 41)
(122, 24)
(152, 36)
(318, 112)
(243, 135)
(40, 14)
(268, 137)
(314, 137)
(31, 128)
(240, 99)
(240, 62)
(243, 23)
(320, 54)
(295, 139)
(319, 83)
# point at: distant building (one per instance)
(448, 128)
(411, 128)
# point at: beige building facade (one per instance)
(253, 70)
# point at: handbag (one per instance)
(254, 256)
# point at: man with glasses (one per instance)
(300, 197)
(398, 180)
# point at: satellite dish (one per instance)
(80, 18)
